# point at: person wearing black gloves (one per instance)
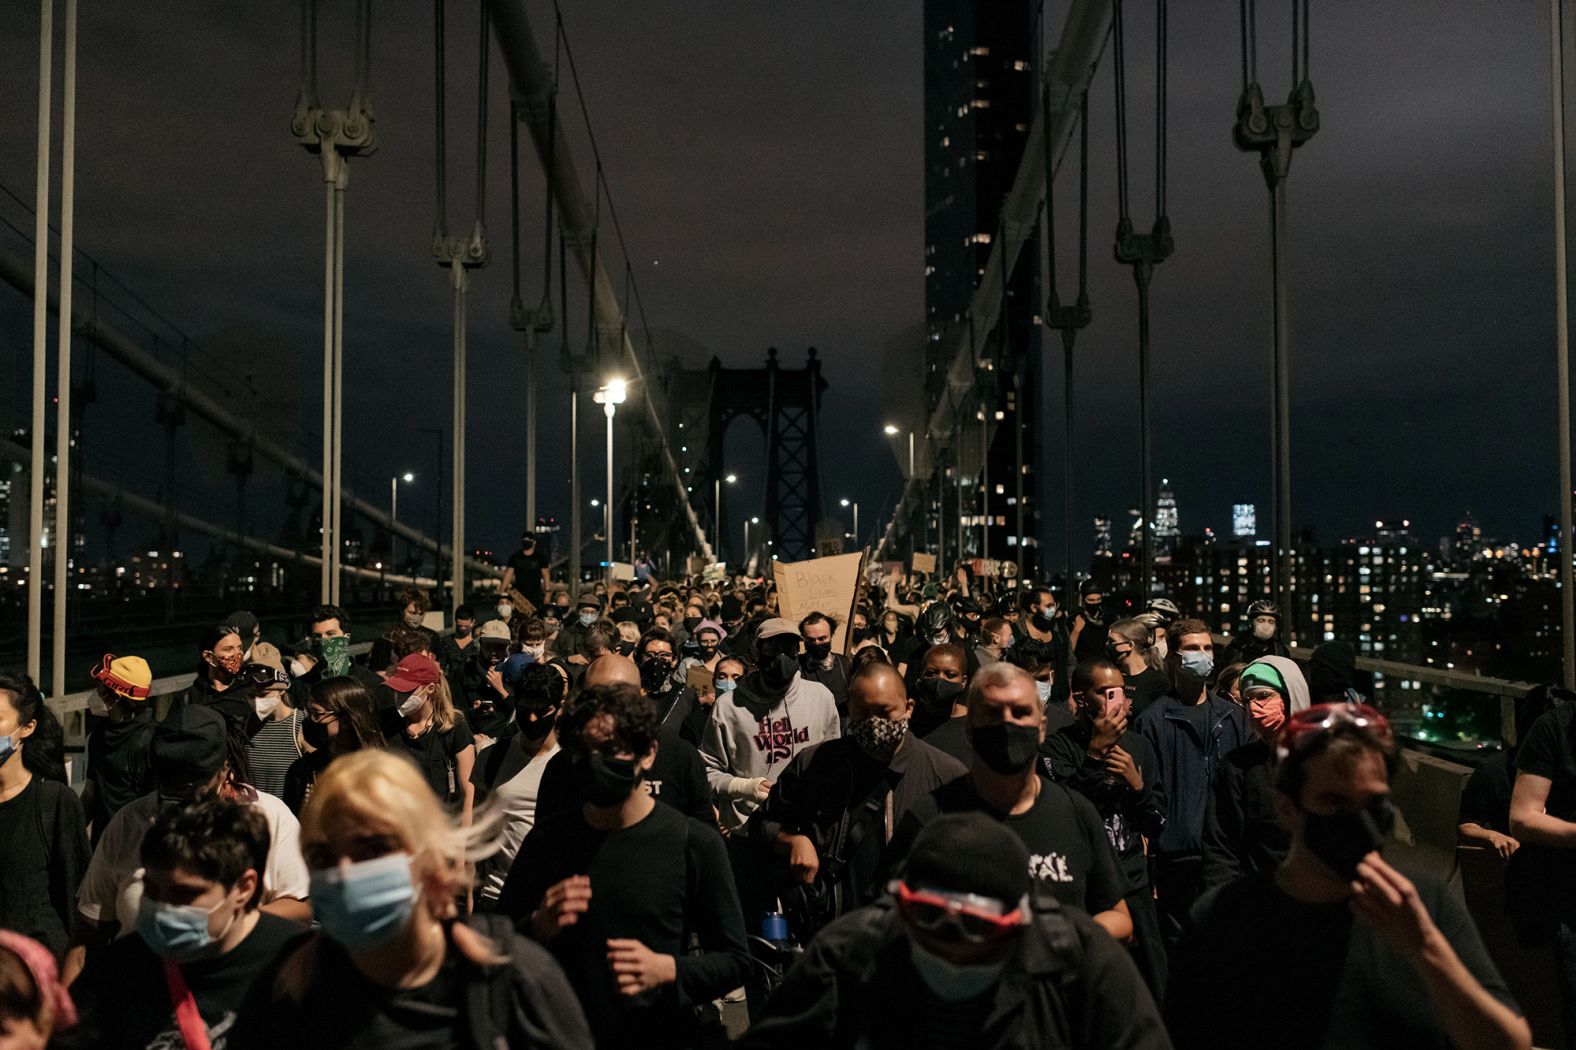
(1335, 947)
(964, 953)
(1116, 769)
(1070, 858)
(616, 888)
(834, 809)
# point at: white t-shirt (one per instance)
(517, 797)
(112, 887)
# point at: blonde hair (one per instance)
(443, 713)
(380, 793)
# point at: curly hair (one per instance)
(634, 717)
(215, 838)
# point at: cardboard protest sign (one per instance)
(825, 585)
(923, 562)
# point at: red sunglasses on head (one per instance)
(1304, 727)
(956, 916)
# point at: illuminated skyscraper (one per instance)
(1244, 520)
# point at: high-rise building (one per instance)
(1244, 520)
(1167, 523)
(1102, 537)
(981, 86)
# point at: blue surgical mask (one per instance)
(727, 685)
(364, 904)
(7, 747)
(1198, 664)
(1044, 689)
(178, 932)
(950, 981)
(587, 619)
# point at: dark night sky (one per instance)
(766, 164)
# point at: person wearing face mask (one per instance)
(819, 663)
(1242, 833)
(1115, 768)
(964, 952)
(937, 626)
(996, 641)
(1130, 645)
(588, 610)
(615, 887)
(1042, 632)
(1070, 858)
(199, 942)
(1336, 945)
(1087, 636)
(220, 659)
(120, 729)
(938, 690)
(325, 653)
(508, 773)
(454, 649)
(393, 962)
(340, 718)
(707, 641)
(676, 703)
(195, 756)
(526, 573)
(414, 605)
(772, 716)
(433, 732)
(1262, 638)
(834, 809)
(275, 742)
(43, 836)
(1191, 730)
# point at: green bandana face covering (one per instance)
(336, 655)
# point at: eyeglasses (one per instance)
(956, 916)
(321, 717)
(1305, 727)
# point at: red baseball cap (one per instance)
(413, 672)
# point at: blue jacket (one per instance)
(1187, 763)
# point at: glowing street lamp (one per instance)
(610, 397)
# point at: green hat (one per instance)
(1265, 674)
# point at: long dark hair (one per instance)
(211, 636)
(44, 754)
(350, 702)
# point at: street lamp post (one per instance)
(855, 505)
(716, 510)
(748, 522)
(394, 481)
(610, 397)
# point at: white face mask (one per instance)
(265, 705)
(534, 651)
(505, 610)
(1161, 648)
(96, 704)
(297, 669)
(412, 703)
(1263, 631)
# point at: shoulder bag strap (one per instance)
(194, 1033)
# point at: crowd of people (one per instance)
(661, 814)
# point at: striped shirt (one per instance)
(271, 751)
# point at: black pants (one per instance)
(1148, 949)
(1565, 977)
(1179, 881)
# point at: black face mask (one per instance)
(624, 648)
(691, 622)
(536, 730)
(315, 734)
(1094, 613)
(1044, 619)
(654, 674)
(1343, 839)
(602, 781)
(818, 650)
(861, 633)
(706, 652)
(938, 694)
(1005, 747)
(778, 671)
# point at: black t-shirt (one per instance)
(118, 766)
(658, 882)
(1144, 689)
(1129, 816)
(1069, 855)
(1538, 878)
(43, 855)
(1309, 975)
(1485, 801)
(677, 778)
(528, 573)
(434, 752)
(124, 1002)
(952, 738)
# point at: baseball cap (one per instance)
(514, 667)
(496, 630)
(589, 601)
(244, 622)
(413, 672)
(125, 676)
(188, 747)
(775, 626)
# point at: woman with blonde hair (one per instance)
(393, 964)
(1130, 645)
(434, 733)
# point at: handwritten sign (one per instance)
(923, 562)
(824, 585)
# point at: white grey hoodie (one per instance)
(751, 735)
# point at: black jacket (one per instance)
(1068, 985)
(1241, 833)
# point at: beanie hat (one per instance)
(969, 853)
(1330, 670)
(1261, 672)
